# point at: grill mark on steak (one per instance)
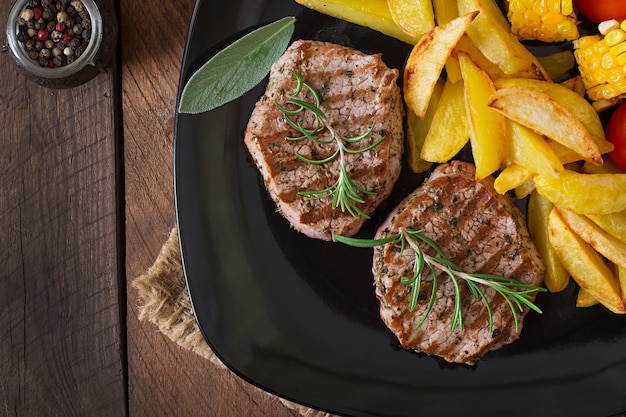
(477, 229)
(355, 91)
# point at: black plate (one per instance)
(298, 317)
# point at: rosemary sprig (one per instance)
(516, 294)
(345, 193)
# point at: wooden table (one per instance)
(86, 203)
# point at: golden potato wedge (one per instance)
(567, 155)
(570, 100)
(538, 212)
(486, 126)
(445, 11)
(576, 85)
(585, 265)
(530, 150)
(584, 193)
(525, 189)
(466, 45)
(417, 130)
(491, 33)
(543, 114)
(584, 299)
(426, 61)
(511, 177)
(621, 277)
(373, 14)
(415, 17)
(612, 223)
(449, 130)
(608, 167)
(605, 244)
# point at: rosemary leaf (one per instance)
(237, 68)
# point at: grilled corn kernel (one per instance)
(543, 20)
(602, 61)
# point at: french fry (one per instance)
(612, 223)
(543, 114)
(486, 126)
(525, 189)
(621, 277)
(427, 59)
(491, 33)
(567, 155)
(373, 14)
(576, 85)
(511, 177)
(570, 100)
(449, 130)
(608, 167)
(585, 265)
(529, 149)
(417, 130)
(605, 244)
(415, 17)
(466, 45)
(538, 212)
(445, 11)
(584, 193)
(584, 299)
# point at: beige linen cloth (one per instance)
(165, 302)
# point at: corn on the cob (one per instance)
(543, 20)
(601, 60)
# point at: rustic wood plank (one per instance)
(61, 351)
(164, 379)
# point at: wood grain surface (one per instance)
(86, 201)
(164, 379)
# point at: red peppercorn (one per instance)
(42, 35)
(50, 64)
(37, 12)
(66, 38)
(60, 26)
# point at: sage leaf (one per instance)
(236, 69)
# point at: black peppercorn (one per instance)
(22, 36)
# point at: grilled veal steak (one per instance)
(355, 90)
(477, 229)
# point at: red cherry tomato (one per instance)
(601, 10)
(616, 134)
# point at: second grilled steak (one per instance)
(477, 229)
(355, 90)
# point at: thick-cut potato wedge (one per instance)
(373, 14)
(606, 245)
(415, 17)
(466, 45)
(449, 130)
(417, 130)
(486, 126)
(529, 149)
(584, 299)
(445, 11)
(584, 193)
(426, 61)
(608, 167)
(612, 223)
(525, 189)
(570, 100)
(567, 155)
(543, 114)
(558, 63)
(585, 265)
(621, 277)
(538, 212)
(576, 85)
(511, 177)
(491, 33)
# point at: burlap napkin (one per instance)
(165, 302)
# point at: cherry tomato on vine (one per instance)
(600, 10)
(616, 134)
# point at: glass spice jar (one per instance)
(61, 43)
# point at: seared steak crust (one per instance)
(355, 90)
(477, 229)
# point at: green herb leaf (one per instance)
(237, 68)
